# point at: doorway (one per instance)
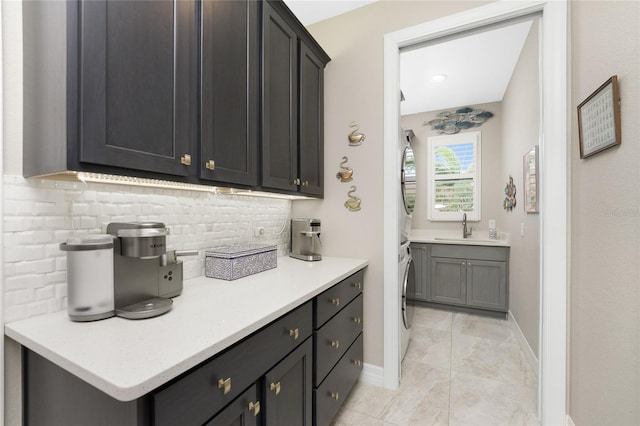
(553, 185)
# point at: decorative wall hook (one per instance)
(345, 174)
(353, 203)
(355, 138)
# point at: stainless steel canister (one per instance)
(90, 294)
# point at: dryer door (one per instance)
(408, 180)
(408, 285)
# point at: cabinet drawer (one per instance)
(470, 252)
(329, 397)
(335, 337)
(195, 397)
(331, 301)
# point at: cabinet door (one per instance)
(138, 84)
(230, 96)
(487, 285)
(243, 411)
(448, 280)
(419, 254)
(311, 119)
(279, 108)
(288, 389)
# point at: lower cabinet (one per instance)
(337, 338)
(295, 371)
(461, 275)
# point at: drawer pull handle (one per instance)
(357, 362)
(334, 395)
(225, 385)
(254, 407)
(335, 344)
(186, 159)
(335, 301)
(211, 165)
(358, 285)
(357, 320)
(294, 333)
(275, 387)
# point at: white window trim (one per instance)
(432, 141)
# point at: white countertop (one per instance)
(128, 358)
(479, 238)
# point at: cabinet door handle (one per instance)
(294, 333)
(211, 165)
(335, 301)
(305, 183)
(254, 407)
(357, 362)
(275, 387)
(334, 395)
(186, 159)
(225, 385)
(296, 181)
(357, 320)
(464, 264)
(469, 264)
(358, 285)
(335, 344)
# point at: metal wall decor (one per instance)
(346, 173)
(510, 195)
(451, 122)
(355, 138)
(353, 203)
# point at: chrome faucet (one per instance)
(465, 233)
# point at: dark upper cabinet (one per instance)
(230, 91)
(292, 105)
(137, 88)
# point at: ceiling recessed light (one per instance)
(438, 78)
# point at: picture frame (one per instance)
(531, 170)
(599, 119)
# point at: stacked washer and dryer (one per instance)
(406, 270)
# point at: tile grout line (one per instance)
(450, 366)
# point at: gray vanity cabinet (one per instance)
(470, 276)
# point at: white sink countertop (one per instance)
(478, 238)
(126, 359)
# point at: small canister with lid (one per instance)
(89, 277)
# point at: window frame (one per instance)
(446, 140)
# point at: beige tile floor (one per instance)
(460, 369)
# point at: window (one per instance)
(454, 177)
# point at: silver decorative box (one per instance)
(233, 262)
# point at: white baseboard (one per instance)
(372, 375)
(528, 352)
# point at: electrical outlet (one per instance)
(522, 229)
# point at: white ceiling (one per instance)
(478, 66)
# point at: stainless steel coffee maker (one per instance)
(137, 251)
(305, 239)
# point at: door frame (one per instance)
(554, 225)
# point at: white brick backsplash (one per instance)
(39, 214)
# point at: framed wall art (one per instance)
(599, 119)
(530, 167)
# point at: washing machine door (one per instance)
(408, 286)
(408, 180)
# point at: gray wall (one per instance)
(520, 132)
(604, 319)
(491, 178)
